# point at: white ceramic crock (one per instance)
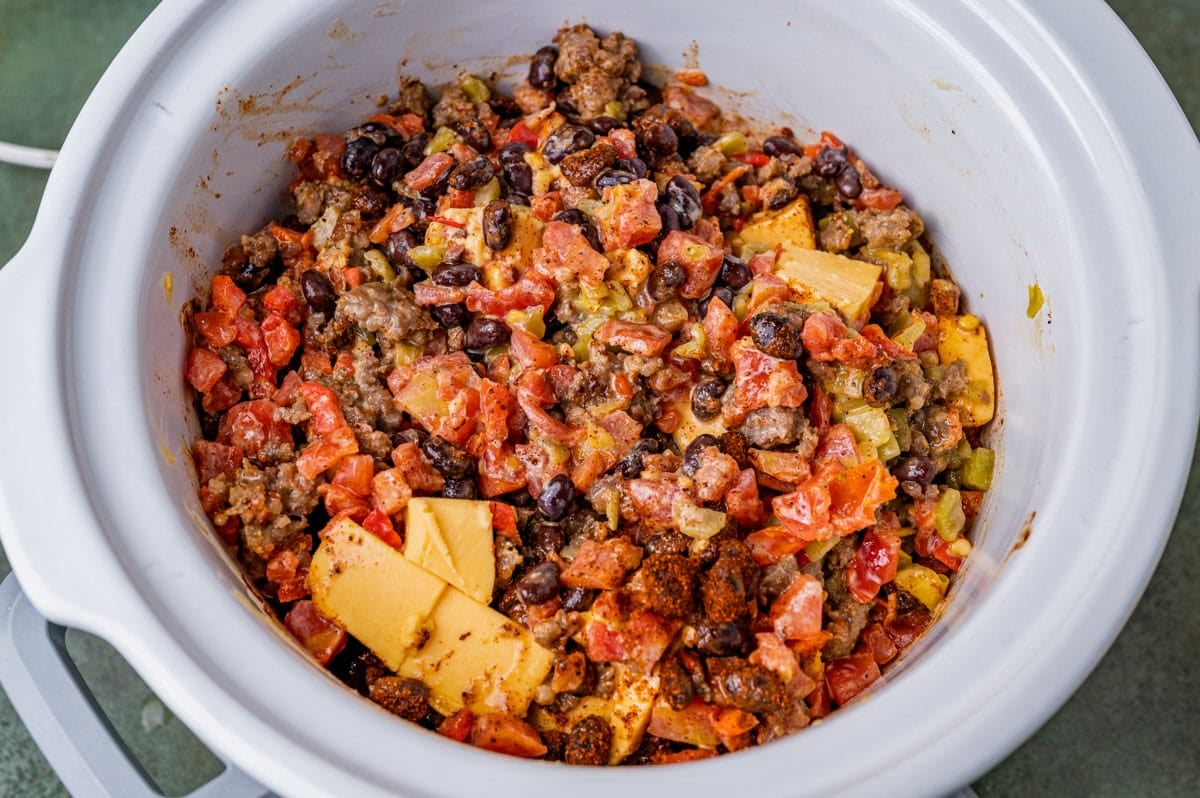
(1036, 139)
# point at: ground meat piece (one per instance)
(582, 167)
(590, 742)
(239, 371)
(746, 686)
(311, 199)
(838, 235)
(942, 429)
(911, 385)
(401, 696)
(595, 71)
(676, 684)
(531, 100)
(382, 309)
(889, 229)
(669, 584)
(411, 97)
(729, 585)
(261, 248)
(791, 718)
(777, 192)
(846, 616)
(715, 475)
(947, 380)
(297, 494)
(774, 426)
(707, 163)
(795, 166)
(452, 106)
(944, 295)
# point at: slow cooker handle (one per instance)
(64, 719)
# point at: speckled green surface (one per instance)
(1133, 729)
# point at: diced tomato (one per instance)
(505, 734)
(648, 340)
(856, 494)
(755, 158)
(327, 160)
(288, 388)
(495, 402)
(565, 252)
(282, 566)
(312, 363)
(441, 393)
(546, 206)
(325, 452)
(380, 525)
(836, 446)
(601, 565)
(700, 260)
(821, 331)
(222, 396)
(390, 491)
(655, 501)
(530, 351)
(216, 327)
(695, 724)
(252, 425)
(742, 502)
(720, 328)
(881, 647)
(820, 410)
(521, 132)
(429, 171)
(226, 296)
(295, 247)
(354, 473)
(282, 339)
(765, 290)
(761, 381)
(624, 140)
(340, 500)
(250, 338)
(603, 643)
(204, 369)
(407, 125)
(499, 470)
(796, 614)
(874, 565)
(212, 458)
(715, 475)
(427, 293)
(504, 520)
(353, 276)
(323, 638)
(647, 637)
(530, 399)
(283, 301)
(629, 217)
(849, 676)
(324, 406)
(818, 701)
(528, 292)
(417, 471)
(457, 726)
(880, 199)
(805, 512)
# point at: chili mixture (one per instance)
(722, 407)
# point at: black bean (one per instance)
(720, 292)
(706, 399)
(249, 277)
(780, 145)
(386, 165)
(414, 149)
(566, 139)
(917, 469)
(722, 639)
(505, 107)
(438, 187)
(449, 315)
(659, 139)
(539, 584)
(513, 152)
(484, 333)
(691, 455)
(450, 460)
(473, 133)
(683, 197)
(515, 198)
(849, 183)
(318, 291)
(456, 275)
(670, 220)
(358, 156)
(556, 498)
(776, 335)
(592, 235)
(519, 177)
(541, 68)
(571, 216)
(397, 245)
(545, 538)
(577, 599)
(665, 279)
(614, 177)
(880, 386)
(369, 200)
(632, 464)
(635, 165)
(472, 174)
(829, 161)
(460, 489)
(735, 273)
(497, 224)
(777, 192)
(604, 125)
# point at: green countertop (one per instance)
(1133, 729)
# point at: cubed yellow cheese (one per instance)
(477, 658)
(847, 284)
(627, 710)
(365, 586)
(691, 427)
(964, 337)
(452, 538)
(792, 224)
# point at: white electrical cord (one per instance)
(27, 156)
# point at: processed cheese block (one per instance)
(964, 337)
(792, 224)
(847, 284)
(365, 586)
(452, 538)
(477, 658)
